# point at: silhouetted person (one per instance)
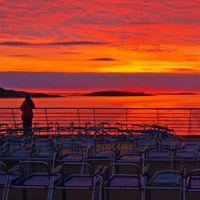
(27, 115)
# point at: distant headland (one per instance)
(21, 94)
(116, 93)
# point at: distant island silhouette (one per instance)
(20, 94)
(116, 93)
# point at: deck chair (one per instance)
(157, 156)
(101, 157)
(188, 157)
(166, 180)
(30, 178)
(75, 176)
(4, 178)
(120, 176)
(130, 155)
(192, 184)
(71, 152)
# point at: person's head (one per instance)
(28, 99)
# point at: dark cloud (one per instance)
(52, 43)
(97, 81)
(183, 69)
(27, 56)
(143, 22)
(70, 52)
(103, 59)
(16, 44)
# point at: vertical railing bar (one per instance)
(158, 116)
(126, 117)
(94, 115)
(79, 120)
(190, 118)
(46, 116)
(13, 115)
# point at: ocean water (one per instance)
(156, 101)
(184, 121)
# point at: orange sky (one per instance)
(100, 36)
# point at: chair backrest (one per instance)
(3, 167)
(28, 167)
(80, 168)
(124, 168)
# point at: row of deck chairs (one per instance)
(102, 128)
(116, 176)
(106, 162)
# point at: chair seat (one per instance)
(123, 181)
(35, 180)
(194, 183)
(102, 156)
(18, 153)
(76, 181)
(170, 179)
(43, 154)
(3, 179)
(71, 157)
(159, 155)
(113, 140)
(130, 158)
(186, 156)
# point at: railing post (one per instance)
(94, 114)
(45, 111)
(158, 116)
(190, 119)
(13, 115)
(79, 120)
(126, 116)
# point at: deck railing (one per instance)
(185, 121)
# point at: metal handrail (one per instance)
(185, 121)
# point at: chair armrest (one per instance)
(13, 170)
(183, 170)
(146, 171)
(98, 170)
(104, 170)
(56, 170)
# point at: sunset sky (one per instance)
(80, 45)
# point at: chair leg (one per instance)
(93, 193)
(103, 194)
(63, 195)
(144, 192)
(4, 193)
(24, 194)
(7, 190)
(107, 192)
(149, 195)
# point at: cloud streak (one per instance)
(74, 43)
(103, 59)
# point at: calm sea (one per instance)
(157, 101)
(182, 121)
